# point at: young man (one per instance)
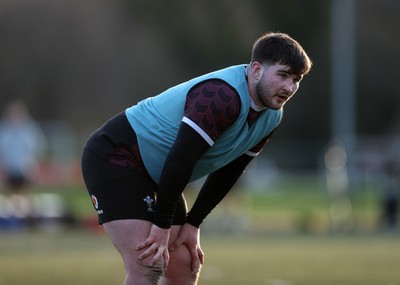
(137, 165)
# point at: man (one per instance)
(137, 165)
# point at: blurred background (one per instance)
(73, 64)
(332, 167)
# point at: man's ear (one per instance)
(257, 70)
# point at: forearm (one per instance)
(173, 181)
(215, 188)
(177, 170)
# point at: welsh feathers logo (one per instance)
(149, 201)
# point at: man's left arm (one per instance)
(215, 188)
(220, 182)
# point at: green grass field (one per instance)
(273, 237)
(85, 259)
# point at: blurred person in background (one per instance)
(21, 143)
(137, 165)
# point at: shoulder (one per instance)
(214, 86)
(214, 90)
(212, 105)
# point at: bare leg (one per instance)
(126, 234)
(179, 268)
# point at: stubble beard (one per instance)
(265, 96)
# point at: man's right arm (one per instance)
(211, 107)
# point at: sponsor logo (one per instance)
(96, 205)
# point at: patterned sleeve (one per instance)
(211, 107)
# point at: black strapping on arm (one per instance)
(215, 188)
(189, 146)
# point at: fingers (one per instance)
(143, 245)
(166, 259)
(196, 254)
(149, 251)
(197, 260)
(160, 255)
(201, 255)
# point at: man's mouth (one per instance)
(282, 97)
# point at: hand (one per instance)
(157, 244)
(190, 236)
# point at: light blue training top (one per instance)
(156, 121)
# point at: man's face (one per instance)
(276, 85)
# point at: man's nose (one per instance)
(289, 87)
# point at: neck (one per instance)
(255, 107)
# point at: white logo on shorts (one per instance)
(149, 201)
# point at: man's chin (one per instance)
(275, 106)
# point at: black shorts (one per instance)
(115, 177)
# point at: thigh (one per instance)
(126, 235)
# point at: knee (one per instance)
(179, 270)
(150, 273)
(141, 271)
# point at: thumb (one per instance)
(166, 259)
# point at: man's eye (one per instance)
(298, 79)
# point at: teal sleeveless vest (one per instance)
(156, 121)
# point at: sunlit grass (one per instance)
(82, 258)
(280, 235)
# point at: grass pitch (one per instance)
(81, 258)
(284, 239)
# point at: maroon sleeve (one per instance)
(212, 105)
